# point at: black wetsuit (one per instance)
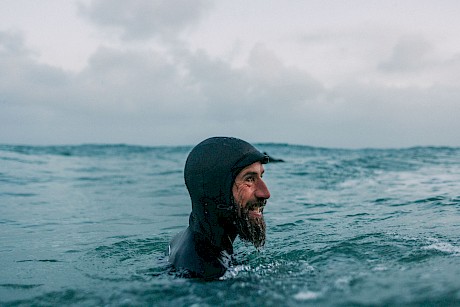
(204, 248)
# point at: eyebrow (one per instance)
(252, 173)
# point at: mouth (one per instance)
(256, 212)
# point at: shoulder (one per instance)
(186, 252)
(182, 252)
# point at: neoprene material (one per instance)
(204, 248)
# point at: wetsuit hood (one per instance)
(210, 170)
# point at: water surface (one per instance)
(89, 225)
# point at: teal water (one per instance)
(89, 226)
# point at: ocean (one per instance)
(89, 226)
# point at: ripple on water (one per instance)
(127, 260)
(65, 297)
(20, 286)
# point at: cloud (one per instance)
(135, 82)
(150, 97)
(180, 96)
(387, 116)
(12, 44)
(143, 19)
(23, 80)
(263, 87)
(409, 54)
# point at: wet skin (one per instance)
(250, 191)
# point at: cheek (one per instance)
(235, 192)
(242, 194)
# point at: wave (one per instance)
(90, 149)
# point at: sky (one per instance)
(328, 73)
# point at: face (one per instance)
(250, 195)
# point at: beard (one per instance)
(251, 228)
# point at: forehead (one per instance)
(256, 167)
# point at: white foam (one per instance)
(232, 272)
(379, 268)
(444, 247)
(307, 295)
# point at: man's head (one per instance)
(217, 173)
(250, 195)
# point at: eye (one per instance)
(250, 179)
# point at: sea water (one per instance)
(89, 225)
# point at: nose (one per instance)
(262, 190)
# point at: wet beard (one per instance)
(251, 228)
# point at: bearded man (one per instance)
(224, 178)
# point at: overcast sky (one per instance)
(356, 73)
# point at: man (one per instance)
(224, 179)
